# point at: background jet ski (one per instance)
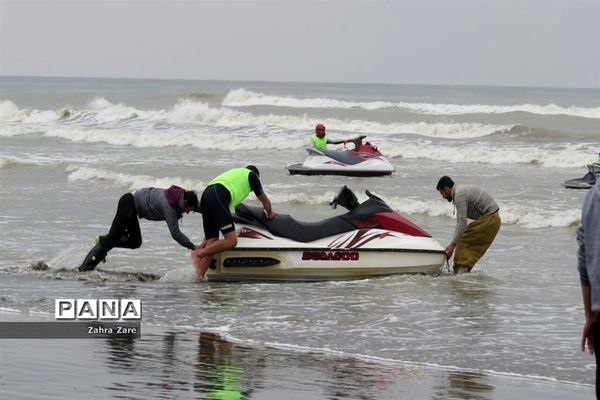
(587, 181)
(368, 241)
(362, 160)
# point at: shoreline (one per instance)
(173, 362)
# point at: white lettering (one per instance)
(64, 308)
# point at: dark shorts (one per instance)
(216, 216)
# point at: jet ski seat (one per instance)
(342, 156)
(284, 225)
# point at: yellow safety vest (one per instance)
(236, 182)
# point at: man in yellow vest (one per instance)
(320, 140)
(222, 194)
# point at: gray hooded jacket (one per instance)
(151, 203)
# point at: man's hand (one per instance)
(587, 338)
(450, 250)
(270, 215)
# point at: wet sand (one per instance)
(191, 363)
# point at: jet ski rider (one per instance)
(320, 140)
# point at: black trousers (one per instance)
(125, 229)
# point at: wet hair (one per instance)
(253, 169)
(190, 198)
(445, 181)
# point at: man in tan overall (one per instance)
(470, 242)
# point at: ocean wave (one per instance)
(9, 112)
(6, 162)
(489, 154)
(148, 138)
(106, 111)
(244, 98)
(79, 173)
(122, 137)
(11, 129)
(186, 112)
(512, 214)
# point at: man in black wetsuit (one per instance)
(223, 193)
(150, 203)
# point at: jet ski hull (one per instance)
(587, 181)
(300, 169)
(262, 257)
(577, 184)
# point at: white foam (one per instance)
(8, 110)
(77, 173)
(242, 98)
(538, 217)
(490, 154)
(152, 138)
(188, 111)
(300, 198)
(123, 137)
(527, 216)
(6, 161)
(8, 310)
(17, 130)
(180, 275)
(105, 111)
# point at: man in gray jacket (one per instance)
(150, 203)
(470, 241)
(588, 257)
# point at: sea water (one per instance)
(69, 148)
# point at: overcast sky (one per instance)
(478, 42)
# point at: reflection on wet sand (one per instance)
(464, 385)
(222, 370)
(205, 365)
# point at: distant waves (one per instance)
(244, 98)
(195, 114)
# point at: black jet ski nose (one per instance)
(345, 198)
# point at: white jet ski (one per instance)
(370, 240)
(362, 160)
(585, 182)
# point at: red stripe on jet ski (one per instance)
(358, 239)
(252, 234)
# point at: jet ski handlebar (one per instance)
(357, 140)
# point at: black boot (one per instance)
(92, 259)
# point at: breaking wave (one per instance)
(244, 98)
(6, 162)
(481, 153)
(191, 114)
(78, 173)
(512, 214)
